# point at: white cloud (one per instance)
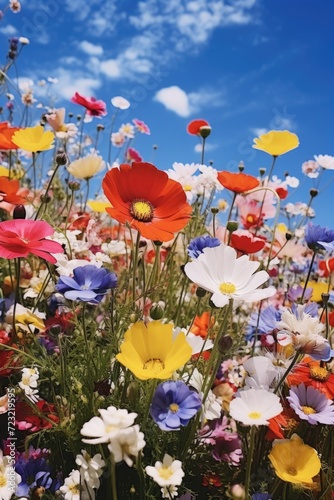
(110, 68)
(76, 81)
(90, 48)
(8, 30)
(174, 99)
(257, 131)
(208, 147)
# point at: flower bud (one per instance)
(200, 292)
(19, 212)
(313, 192)
(241, 166)
(232, 226)
(225, 344)
(45, 198)
(288, 236)
(237, 492)
(205, 131)
(262, 171)
(100, 127)
(325, 297)
(157, 310)
(61, 159)
(214, 210)
(74, 186)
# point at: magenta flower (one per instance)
(141, 126)
(21, 237)
(93, 106)
(311, 405)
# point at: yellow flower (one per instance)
(87, 167)
(318, 287)
(294, 461)
(276, 142)
(150, 351)
(4, 172)
(34, 139)
(98, 206)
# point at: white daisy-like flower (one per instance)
(325, 161)
(255, 407)
(310, 168)
(169, 491)
(120, 102)
(9, 479)
(117, 139)
(114, 248)
(166, 473)
(91, 468)
(219, 271)
(28, 383)
(261, 372)
(127, 130)
(106, 428)
(74, 488)
(66, 267)
(299, 322)
(127, 444)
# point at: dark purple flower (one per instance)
(261, 496)
(221, 433)
(197, 245)
(173, 405)
(319, 238)
(311, 405)
(89, 284)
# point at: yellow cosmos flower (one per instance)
(318, 287)
(34, 139)
(294, 461)
(98, 206)
(87, 167)
(276, 142)
(150, 351)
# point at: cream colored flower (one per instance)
(87, 167)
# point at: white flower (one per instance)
(261, 372)
(325, 161)
(91, 468)
(255, 407)
(127, 130)
(219, 271)
(76, 489)
(182, 170)
(28, 383)
(311, 169)
(117, 139)
(107, 427)
(66, 267)
(120, 102)
(114, 248)
(209, 179)
(128, 443)
(299, 322)
(24, 40)
(9, 479)
(169, 491)
(212, 406)
(166, 473)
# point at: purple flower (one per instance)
(173, 405)
(296, 292)
(318, 237)
(266, 323)
(196, 246)
(226, 442)
(89, 284)
(311, 405)
(261, 496)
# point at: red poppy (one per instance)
(194, 127)
(310, 372)
(8, 191)
(6, 134)
(41, 416)
(93, 106)
(21, 237)
(237, 182)
(147, 199)
(327, 267)
(246, 242)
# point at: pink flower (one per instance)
(133, 155)
(21, 237)
(141, 126)
(93, 106)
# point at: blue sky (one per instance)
(246, 66)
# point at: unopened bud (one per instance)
(232, 226)
(288, 236)
(237, 492)
(157, 311)
(325, 297)
(262, 171)
(19, 212)
(205, 131)
(61, 159)
(241, 166)
(74, 185)
(155, 147)
(45, 198)
(225, 344)
(100, 127)
(200, 292)
(214, 210)
(313, 192)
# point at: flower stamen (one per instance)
(227, 288)
(142, 210)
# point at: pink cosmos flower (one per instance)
(93, 106)
(133, 155)
(141, 126)
(21, 237)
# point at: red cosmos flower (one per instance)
(327, 267)
(20, 237)
(237, 182)
(93, 106)
(246, 242)
(194, 126)
(6, 133)
(9, 191)
(133, 155)
(147, 199)
(309, 372)
(41, 416)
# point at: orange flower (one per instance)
(201, 324)
(9, 191)
(6, 133)
(237, 182)
(147, 199)
(310, 372)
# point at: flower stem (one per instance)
(286, 373)
(249, 461)
(308, 275)
(113, 477)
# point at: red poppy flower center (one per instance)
(142, 210)
(319, 373)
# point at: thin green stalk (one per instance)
(84, 331)
(113, 477)
(249, 461)
(46, 191)
(308, 275)
(286, 373)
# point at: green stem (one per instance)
(286, 373)
(308, 275)
(203, 150)
(249, 461)
(113, 477)
(84, 330)
(46, 191)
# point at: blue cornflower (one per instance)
(319, 238)
(196, 245)
(173, 405)
(261, 496)
(32, 470)
(266, 323)
(89, 284)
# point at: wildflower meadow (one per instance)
(166, 331)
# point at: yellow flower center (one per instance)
(292, 471)
(187, 187)
(3, 480)
(142, 210)
(319, 373)
(227, 288)
(308, 410)
(74, 489)
(165, 472)
(250, 219)
(155, 365)
(254, 414)
(173, 407)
